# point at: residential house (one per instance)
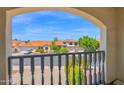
(33, 45)
(60, 43)
(71, 44)
(15, 43)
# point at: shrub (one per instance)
(63, 50)
(70, 70)
(59, 49)
(40, 50)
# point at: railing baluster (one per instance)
(21, 69)
(67, 60)
(79, 65)
(73, 63)
(10, 70)
(59, 65)
(90, 74)
(99, 58)
(32, 70)
(85, 75)
(95, 75)
(51, 69)
(42, 70)
(103, 72)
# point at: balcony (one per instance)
(82, 68)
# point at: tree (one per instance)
(27, 41)
(59, 49)
(55, 39)
(54, 47)
(88, 43)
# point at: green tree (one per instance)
(27, 41)
(55, 39)
(54, 47)
(58, 49)
(88, 43)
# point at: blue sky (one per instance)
(46, 25)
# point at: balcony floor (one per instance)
(27, 75)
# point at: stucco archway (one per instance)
(17, 11)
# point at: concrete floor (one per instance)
(27, 75)
(37, 76)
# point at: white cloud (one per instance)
(22, 19)
(57, 14)
(58, 31)
(26, 18)
(86, 29)
(51, 32)
(41, 30)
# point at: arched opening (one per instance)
(70, 10)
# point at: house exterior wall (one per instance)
(68, 44)
(21, 49)
(47, 50)
(109, 41)
(26, 48)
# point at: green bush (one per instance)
(63, 50)
(54, 47)
(70, 70)
(59, 49)
(40, 50)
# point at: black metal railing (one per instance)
(90, 68)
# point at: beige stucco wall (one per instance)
(120, 44)
(3, 65)
(106, 15)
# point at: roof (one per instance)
(59, 43)
(70, 40)
(40, 43)
(36, 44)
(15, 43)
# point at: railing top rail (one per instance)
(53, 54)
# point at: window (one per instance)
(75, 44)
(46, 48)
(71, 43)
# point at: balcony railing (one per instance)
(70, 68)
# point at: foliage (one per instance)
(63, 50)
(27, 41)
(56, 39)
(40, 50)
(55, 48)
(88, 43)
(58, 49)
(70, 78)
(70, 70)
